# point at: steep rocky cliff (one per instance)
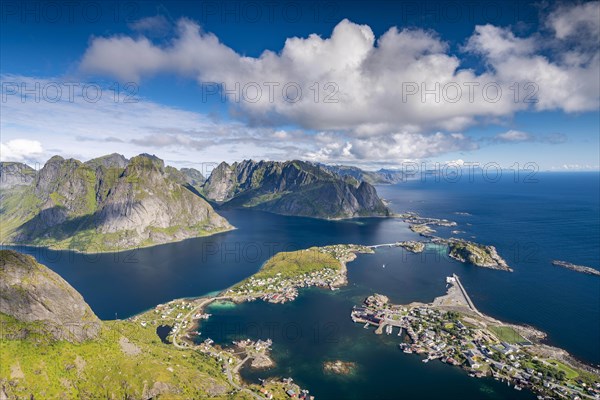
(30, 292)
(15, 174)
(292, 188)
(101, 206)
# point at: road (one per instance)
(197, 309)
(228, 370)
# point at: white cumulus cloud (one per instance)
(21, 150)
(406, 80)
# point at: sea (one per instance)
(552, 216)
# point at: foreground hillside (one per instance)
(113, 360)
(292, 188)
(105, 204)
(32, 293)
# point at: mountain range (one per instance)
(105, 204)
(292, 188)
(112, 203)
(379, 177)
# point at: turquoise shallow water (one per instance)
(530, 224)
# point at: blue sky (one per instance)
(372, 61)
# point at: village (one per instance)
(280, 290)
(323, 267)
(278, 281)
(467, 339)
(181, 318)
(450, 329)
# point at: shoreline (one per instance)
(38, 246)
(486, 346)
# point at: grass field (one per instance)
(295, 263)
(570, 372)
(105, 367)
(507, 334)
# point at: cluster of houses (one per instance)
(173, 310)
(294, 391)
(442, 335)
(258, 345)
(167, 311)
(277, 289)
(345, 251)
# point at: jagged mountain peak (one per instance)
(114, 160)
(15, 174)
(291, 187)
(99, 206)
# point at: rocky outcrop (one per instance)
(156, 208)
(477, 254)
(221, 184)
(114, 160)
(576, 268)
(193, 176)
(30, 292)
(292, 188)
(15, 174)
(390, 176)
(101, 206)
(188, 177)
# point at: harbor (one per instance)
(452, 330)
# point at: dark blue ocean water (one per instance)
(558, 217)
(531, 224)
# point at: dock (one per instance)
(466, 295)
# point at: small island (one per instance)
(485, 256)
(422, 225)
(452, 330)
(339, 367)
(412, 245)
(576, 268)
(480, 255)
(422, 229)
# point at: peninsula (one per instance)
(280, 277)
(452, 330)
